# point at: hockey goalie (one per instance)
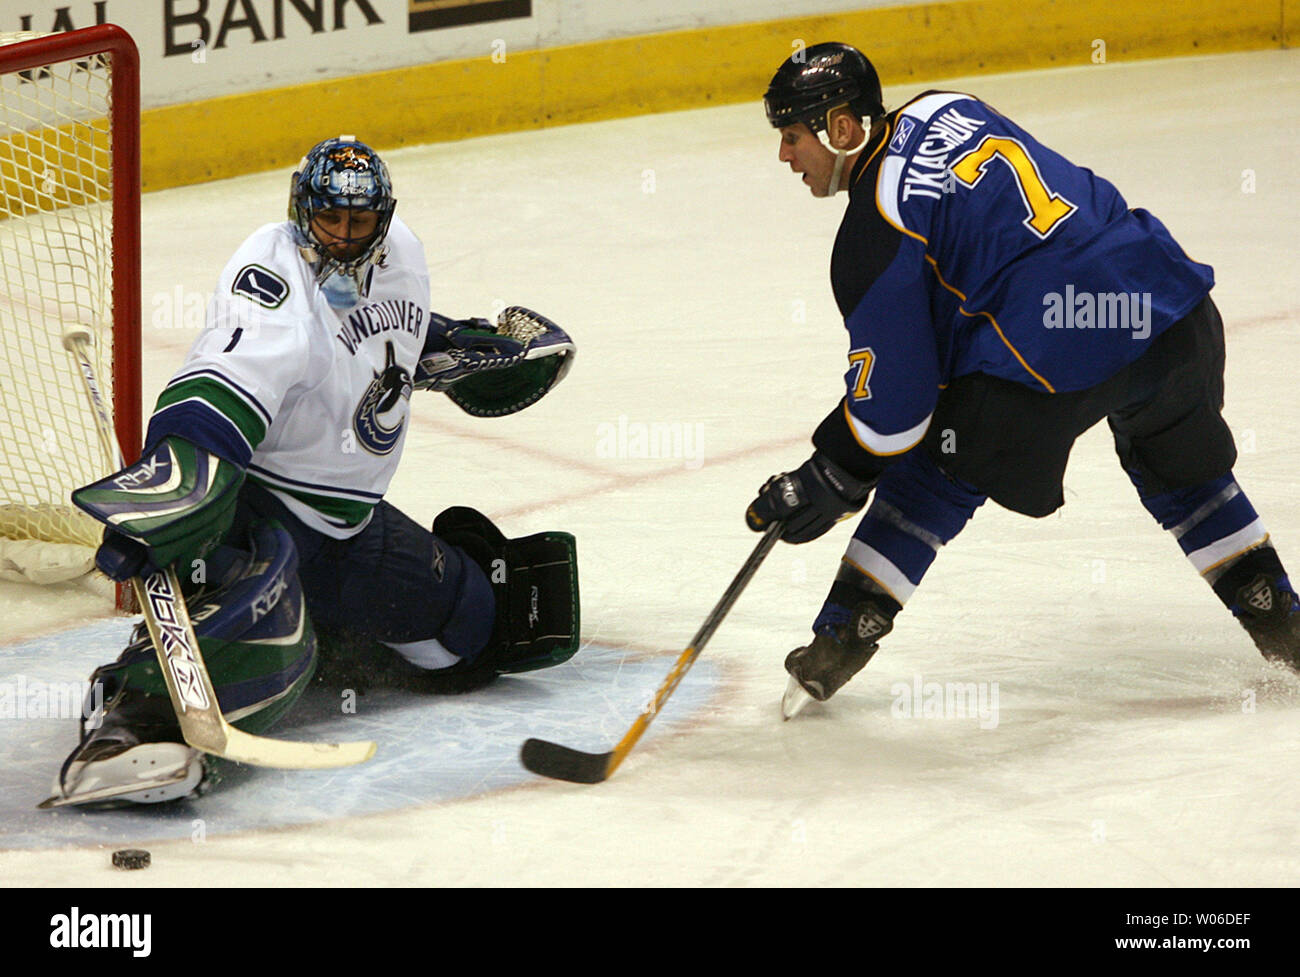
(262, 484)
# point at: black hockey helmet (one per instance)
(816, 80)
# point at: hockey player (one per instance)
(268, 455)
(999, 301)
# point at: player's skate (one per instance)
(836, 654)
(131, 751)
(1271, 616)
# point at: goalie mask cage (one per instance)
(69, 259)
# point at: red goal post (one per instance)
(69, 260)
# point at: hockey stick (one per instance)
(562, 763)
(177, 646)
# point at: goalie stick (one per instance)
(177, 646)
(563, 763)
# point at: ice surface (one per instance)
(1139, 738)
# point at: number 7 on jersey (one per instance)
(861, 360)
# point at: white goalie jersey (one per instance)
(310, 400)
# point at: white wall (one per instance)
(257, 44)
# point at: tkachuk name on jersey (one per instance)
(131, 931)
(927, 176)
(371, 320)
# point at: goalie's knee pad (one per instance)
(256, 634)
(534, 582)
(253, 629)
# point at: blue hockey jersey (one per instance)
(969, 247)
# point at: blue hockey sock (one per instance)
(1222, 535)
(916, 509)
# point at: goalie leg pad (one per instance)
(535, 582)
(260, 649)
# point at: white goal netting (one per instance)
(56, 272)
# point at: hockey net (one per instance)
(69, 260)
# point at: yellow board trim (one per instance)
(245, 133)
(49, 168)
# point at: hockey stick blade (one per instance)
(562, 763)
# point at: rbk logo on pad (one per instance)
(150, 472)
(261, 285)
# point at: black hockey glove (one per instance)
(809, 500)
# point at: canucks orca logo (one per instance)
(379, 417)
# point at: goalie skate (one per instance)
(148, 773)
(131, 749)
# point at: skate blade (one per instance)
(795, 698)
(106, 793)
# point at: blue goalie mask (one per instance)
(346, 177)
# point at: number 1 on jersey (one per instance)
(1046, 209)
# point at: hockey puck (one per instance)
(131, 858)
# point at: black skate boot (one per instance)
(1271, 616)
(836, 654)
(1256, 589)
(131, 750)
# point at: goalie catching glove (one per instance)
(175, 503)
(490, 371)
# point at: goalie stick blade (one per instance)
(561, 763)
(262, 751)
